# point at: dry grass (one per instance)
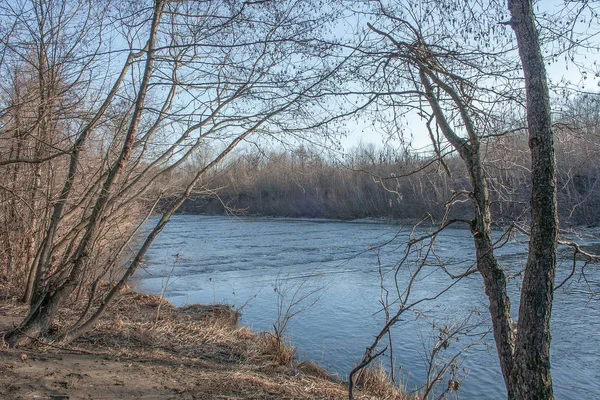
(272, 350)
(219, 356)
(375, 380)
(130, 327)
(313, 369)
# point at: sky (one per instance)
(561, 72)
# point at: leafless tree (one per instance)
(455, 63)
(153, 83)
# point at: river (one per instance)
(256, 263)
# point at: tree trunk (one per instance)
(494, 278)
(531, 378)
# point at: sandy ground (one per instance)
(77, 376)
(183, 354)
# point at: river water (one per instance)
(258, 264)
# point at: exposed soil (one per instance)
(197, 352)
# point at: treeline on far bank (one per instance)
(370, 182)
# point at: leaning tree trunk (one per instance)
(494, 278)
(531, 378)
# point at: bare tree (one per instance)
(454, 62)
(191, 74)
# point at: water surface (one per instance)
(256, 264)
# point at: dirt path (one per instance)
(81, 376)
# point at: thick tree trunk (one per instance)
(531, 378)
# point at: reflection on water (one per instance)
(247, 262)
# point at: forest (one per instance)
(116, 115)
(391, 183)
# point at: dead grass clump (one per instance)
(374, 380)
(244, 333)
(140, 306)
(225, 314)
(272, 349)
(261, 385)
(310, 368)
(214, 331)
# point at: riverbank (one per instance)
(408, 222)
(145, 348)
(424, 222)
